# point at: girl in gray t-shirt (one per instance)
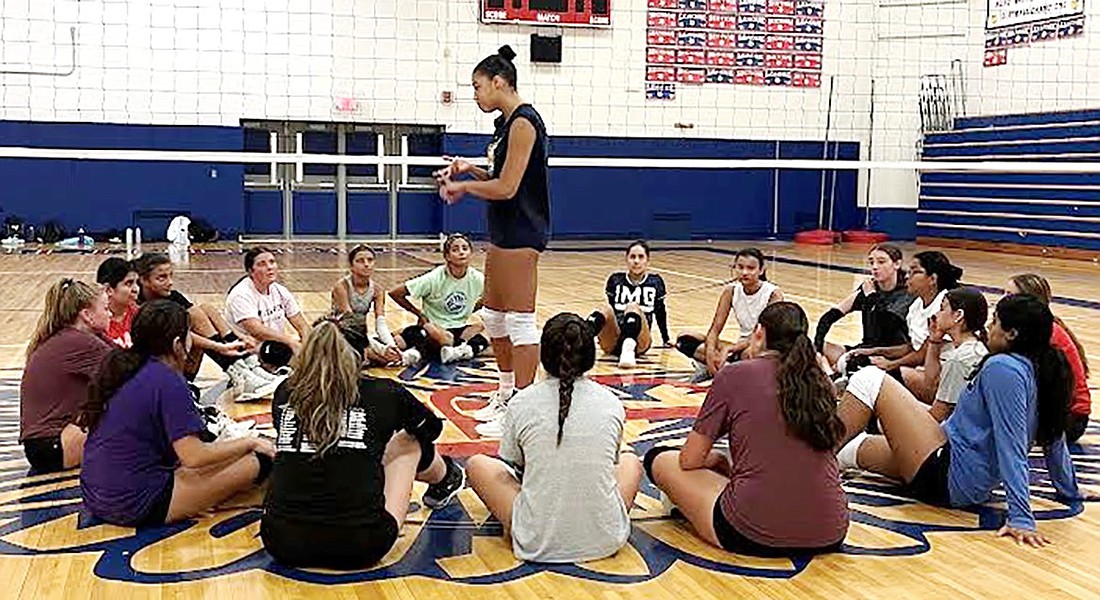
(561, 488)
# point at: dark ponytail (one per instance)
(568, 351)
(936, 263)
(975, 310)
(156, 327)
(806, 395)
(499, 64)
(1033, 323)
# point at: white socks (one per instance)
(507, 385)
(627, 357)
(847, 457)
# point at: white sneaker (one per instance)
(247, 385)
(493, 409)
(235, 430)
(626, 357)
(450, 354)
(257, 369)
(410, 357)
(491, 429)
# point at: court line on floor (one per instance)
(1063, 300)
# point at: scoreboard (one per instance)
(563, 13)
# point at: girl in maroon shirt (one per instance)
(778, 493)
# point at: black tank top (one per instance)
(522, 221)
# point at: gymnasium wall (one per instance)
(204, 65)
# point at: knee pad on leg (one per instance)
(276, 354)
(596, 321)
(865, 385)
(521, 328)
(414, 336)
(647, 460)
(630, 325)
(495, 321)
(688, 345)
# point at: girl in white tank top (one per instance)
(747, 307)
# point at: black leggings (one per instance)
(310, 545)
(45, 455)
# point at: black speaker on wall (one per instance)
(545, 48)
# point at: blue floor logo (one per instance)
(39, 511)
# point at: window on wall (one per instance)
(426, 143)
(319, 139)
(257, 138)
(362, 141)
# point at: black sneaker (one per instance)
(440, 494)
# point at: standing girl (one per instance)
(517, 188)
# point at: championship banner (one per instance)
(1010, 13)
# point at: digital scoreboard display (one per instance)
(564, 13)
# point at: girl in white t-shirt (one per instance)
(747, 297)
(931, 275)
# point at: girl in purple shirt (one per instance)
(144, 463)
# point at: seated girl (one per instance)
(746, 297)
(1063, 339)
(145, 463)
(349, 448)
(63, 358)
(354, 297)
(883, 300)
(931, 275)
(119, 277)
(781, 493)
(634, 298)
(449, 294)
(561, 488)
(956, 346)
(1019, 398)
(212, 335)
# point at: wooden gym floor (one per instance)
(50, 549)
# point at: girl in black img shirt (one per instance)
(516, 187)
(348, 450)
(634, 298)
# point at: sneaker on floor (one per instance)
(410, 357)
(701, 373)
(246, 385)
(441, 494)
(491, 429)
(627, 359)
(493, 409)
(257, 369)
(450, 354)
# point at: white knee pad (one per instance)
(865, 385)
(496, 325)
(521, 328)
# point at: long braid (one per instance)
(568, 352)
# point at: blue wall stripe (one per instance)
(1027, 119)
(1024, 194)
(985, 234)
(1013, 148)
(1036, 133)
(1036, 179)
(1022, 209)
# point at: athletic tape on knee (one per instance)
(521, 328)
(631, 326)
(865, 385)
(495, 321)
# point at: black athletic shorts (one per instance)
(732, 540)
(337, 547)
(158, 512)
(929, 485)
(45, 455)
(1077, 426)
